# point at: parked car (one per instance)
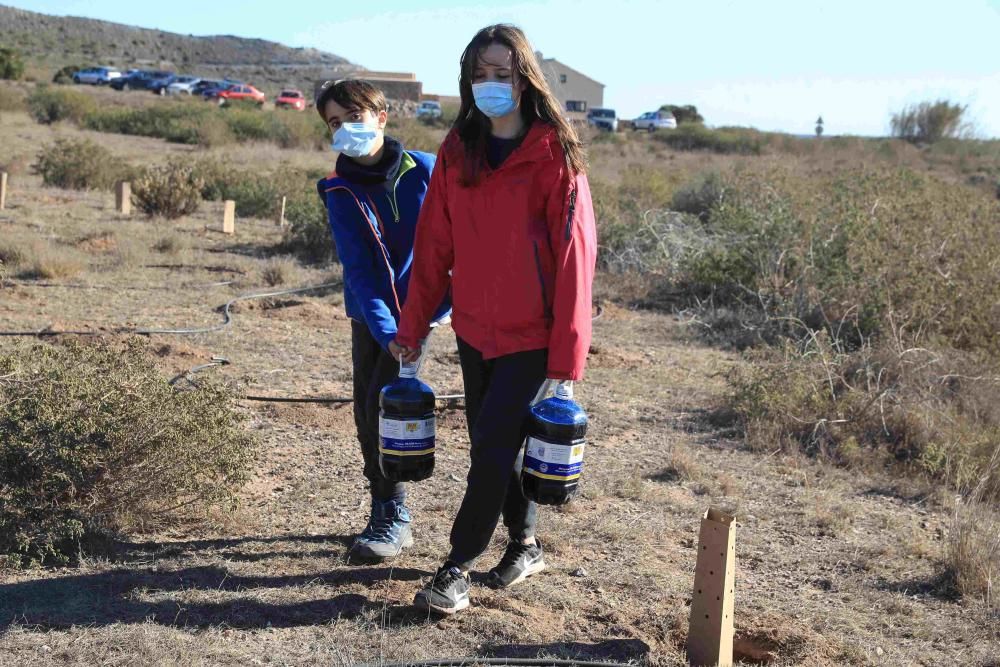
(138, 80)
(241, 92)
(604, 119)
(183, 85)
(290, 99)
(158, 84)
(211, 92)
(429, 109)
(655, 120)
(96, 76)
(203, 85)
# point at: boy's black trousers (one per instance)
(498, 396)
(374, 368)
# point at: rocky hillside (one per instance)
(51, 42)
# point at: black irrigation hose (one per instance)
(222, 361)
(526, 662)
(226, 315)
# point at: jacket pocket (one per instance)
(546, 305)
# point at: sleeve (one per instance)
(369, 283)
(573, 234)
(433, 257)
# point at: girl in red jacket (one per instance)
(509, 214)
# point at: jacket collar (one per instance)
(538, 146)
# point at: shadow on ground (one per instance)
(611, 650)
(200, 596)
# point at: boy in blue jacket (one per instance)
(373, 199)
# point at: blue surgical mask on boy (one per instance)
(495, 99)
(354, 139)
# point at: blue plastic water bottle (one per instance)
(553, 455)
(406, 428)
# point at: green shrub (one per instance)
(11, 64)
(171, 191)
(684, 114)
(79, 164)
(94, 442)
(193, 122)
(700, 196)
(65, 74)
(49, 105)
(928, 122)
(177, 121)
(889, 403)
(727, 140)
(308, 234)
(257, 194)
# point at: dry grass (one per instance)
(282, 270)
(273, 579)
(47, 261)
(972, 560)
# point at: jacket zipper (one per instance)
(572, 211)
(541, 281)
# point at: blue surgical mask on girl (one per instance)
(354, 139)
(495, 99)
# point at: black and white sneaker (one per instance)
(447, 593)
(519, 562)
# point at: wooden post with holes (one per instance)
(123, 197)
(710, 632)
(3, 190)
(281, 216)
(229, 217)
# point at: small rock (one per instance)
(578, 572)
(453, 477)
(46, 648)
(879, 651)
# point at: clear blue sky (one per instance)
(774, 65)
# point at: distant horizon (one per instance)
(775, 66)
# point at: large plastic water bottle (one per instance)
(406, 427)
(553, 456)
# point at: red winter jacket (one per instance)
(521, 245)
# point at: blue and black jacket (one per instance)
(373, 227)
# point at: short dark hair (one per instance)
(351, 94)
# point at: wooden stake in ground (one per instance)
(281, 216)
(229, 217)
(710, 632)
(3, 190)
(123, 197)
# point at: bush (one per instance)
(194, 122)
(48, 105)
(178, 121)
(170, 191)
(93, 442)
(257, 194)
(684, 114)
(79, 164)
(65, 74)
(928, 122)
(694, 137)
(11, 64)
(886, 403)
(308, 234)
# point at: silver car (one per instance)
(96, 76)
(183, 85)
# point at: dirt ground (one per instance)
(833, 567)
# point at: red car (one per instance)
(291, 99)
(241, 92)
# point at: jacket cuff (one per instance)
(405, 340)
(386, 337)
(553, 374)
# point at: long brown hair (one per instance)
(537, 101)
